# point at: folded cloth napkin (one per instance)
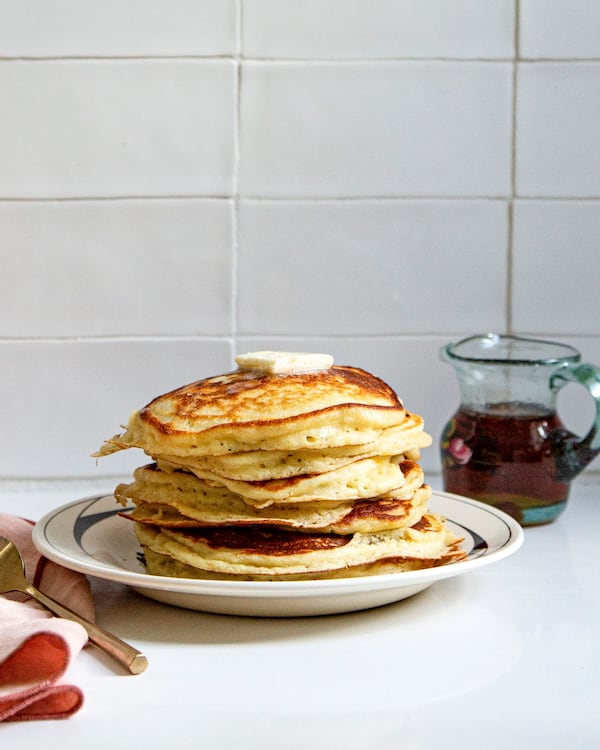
(35, 647)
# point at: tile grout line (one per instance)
(287, 60)
(403, 197)
(234, 309)
(216, 338)
(513, 172)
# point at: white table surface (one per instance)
(507, 656)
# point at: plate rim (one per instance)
(321, 587)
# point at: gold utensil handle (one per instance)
(125, 654)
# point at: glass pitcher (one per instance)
(506, 445)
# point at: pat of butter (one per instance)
(282, 362)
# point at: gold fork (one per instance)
(12, 578)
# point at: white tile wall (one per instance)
(352, 266)
(90, 128)
(184, 179)
(346, 29)
(560, 29)
(125, 267)
(556, 251)
(373, 129)
(117, 28)
(558, 140)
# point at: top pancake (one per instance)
(252, 409)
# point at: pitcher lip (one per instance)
(498, 345)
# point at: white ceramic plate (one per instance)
(89, 536)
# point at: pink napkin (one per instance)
(36, 648)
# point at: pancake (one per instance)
(180, 500)
(289, 467)
(256, 553)
(261, 465)
(253, 410)
(365, 516)
(367, 477)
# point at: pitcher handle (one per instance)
(581, 452)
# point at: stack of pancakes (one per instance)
(288, 468)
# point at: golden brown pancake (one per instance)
(250, 410)
(260, 465)
(367, 477)
(288, 468)
(366, 516)
(179, 500)
(257, 553)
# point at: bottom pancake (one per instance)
(256, 553)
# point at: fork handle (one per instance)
(127, 655)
